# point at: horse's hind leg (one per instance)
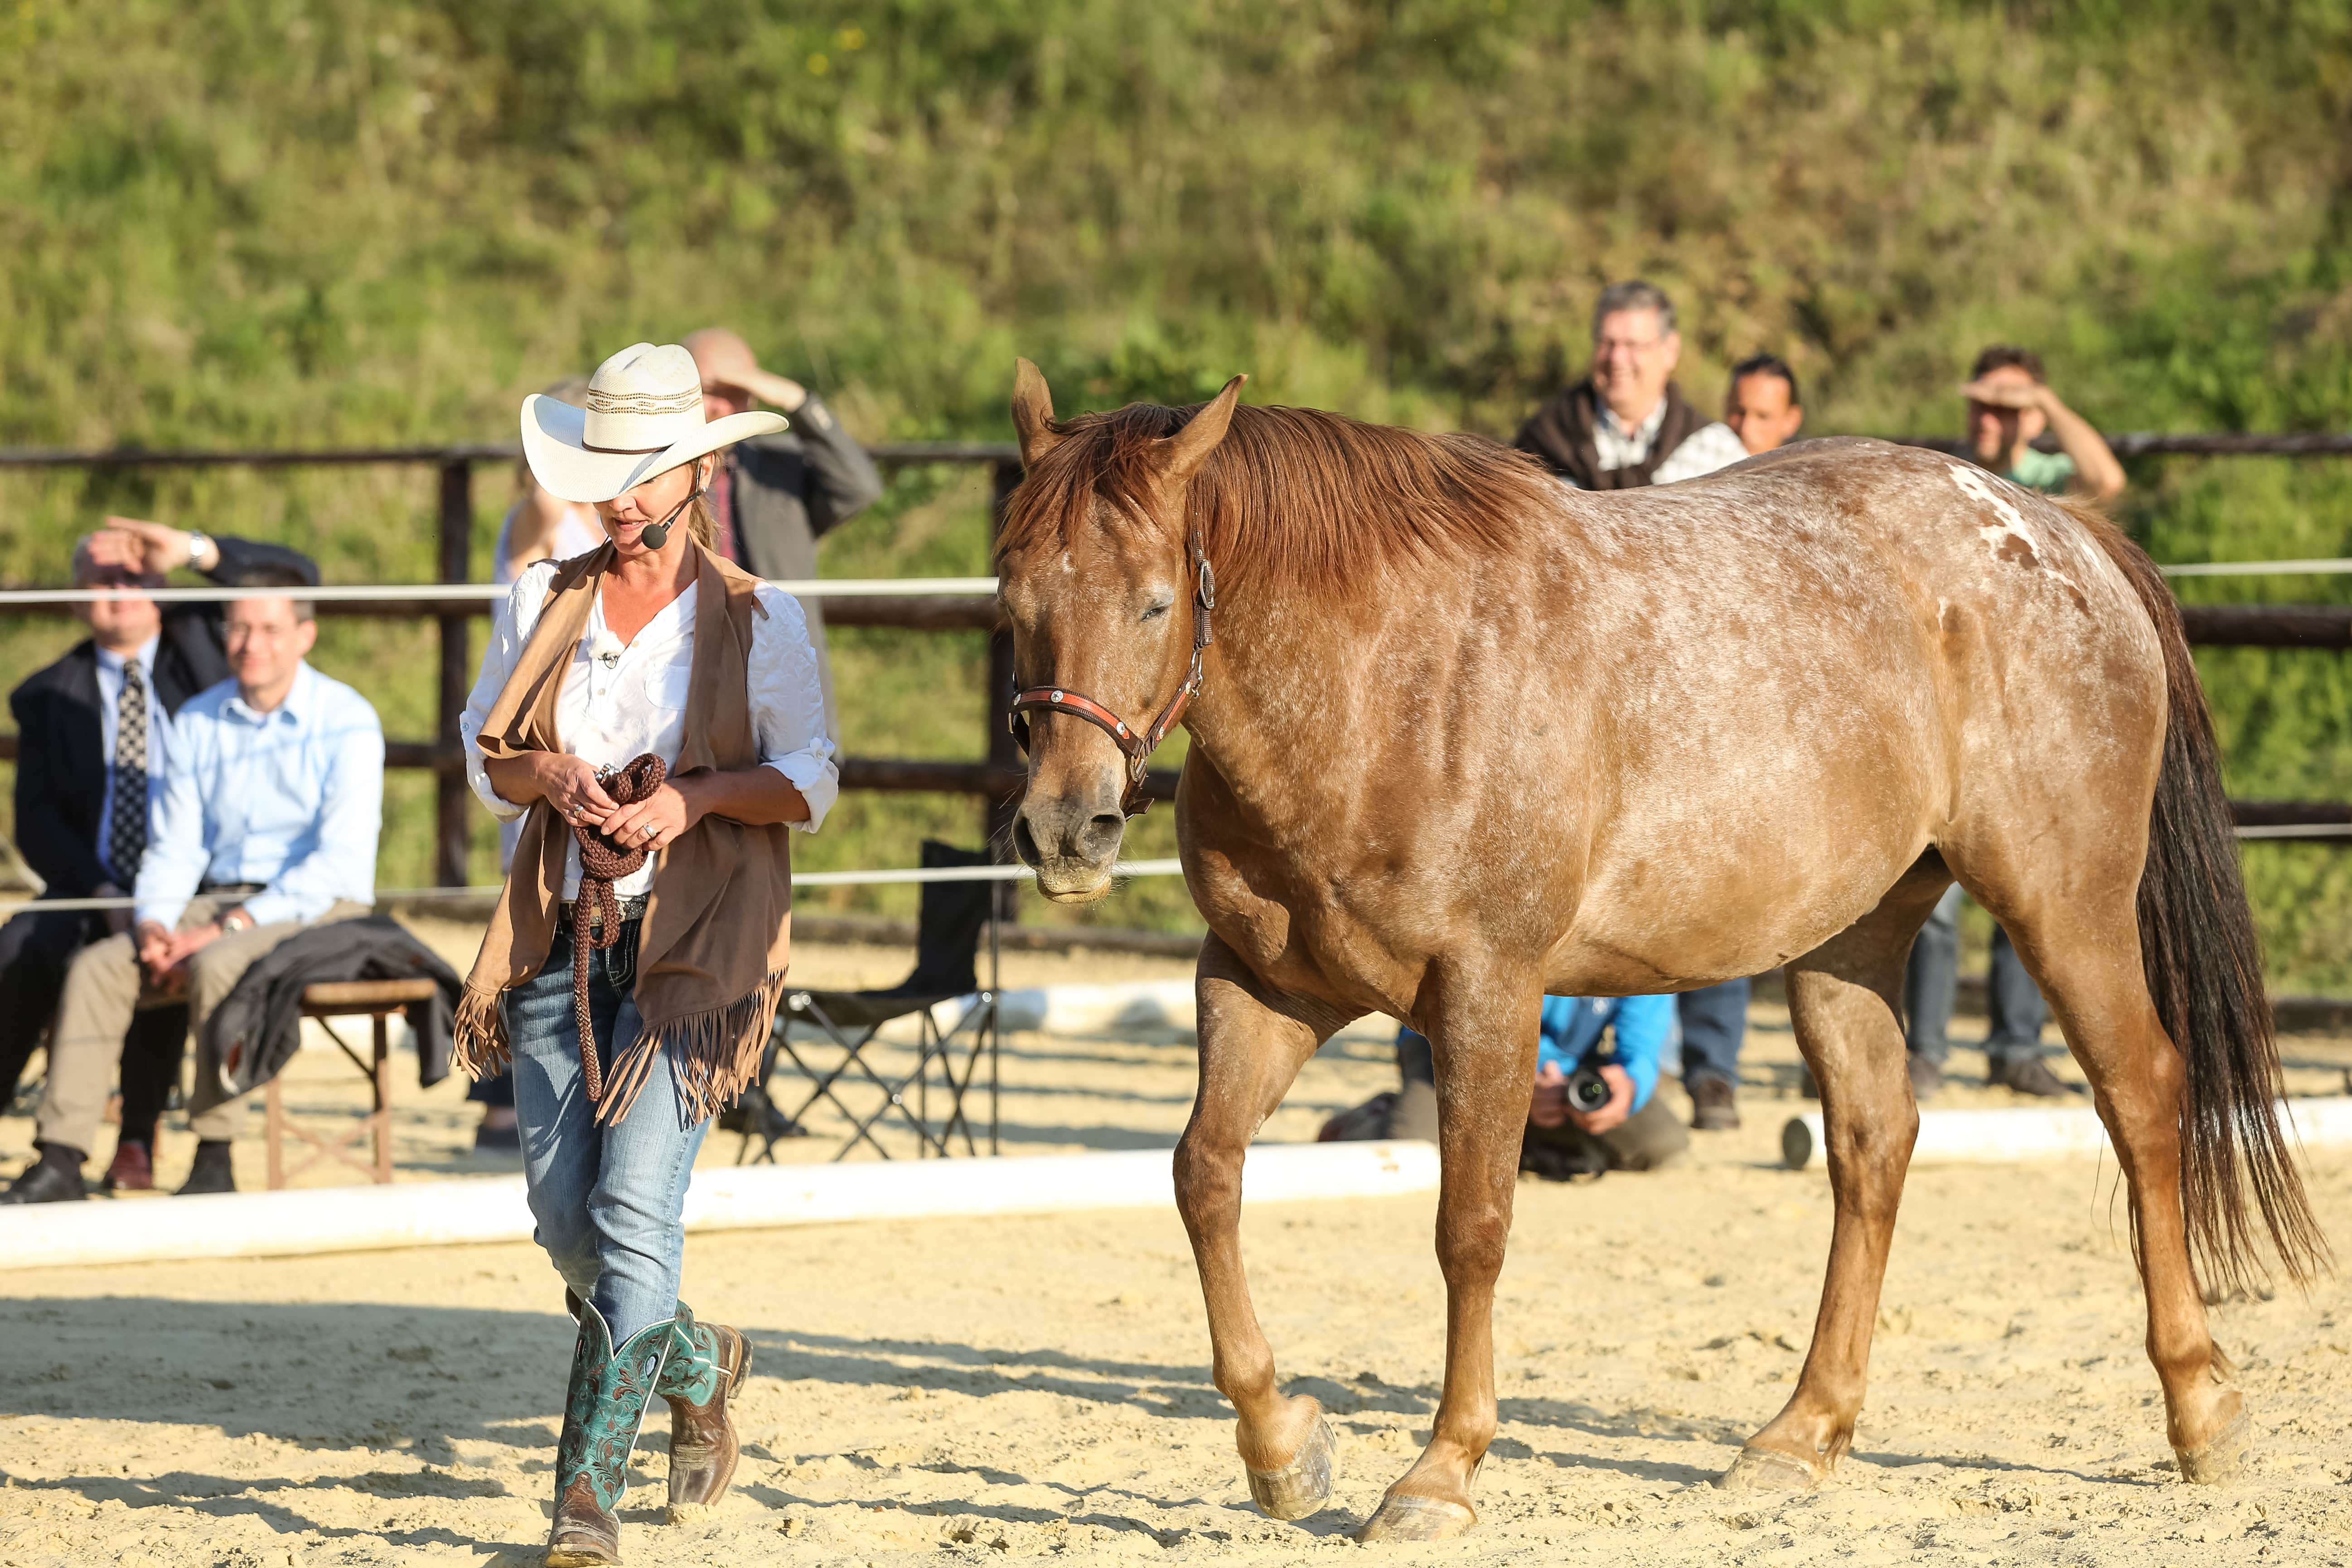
(1485, 1030)
(2087, 961)
(1844, 1001)
(1253, 1043)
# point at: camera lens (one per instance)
(1587, 1090)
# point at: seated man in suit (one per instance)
(271, 803)
(92, 733)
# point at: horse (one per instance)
(1461, 736)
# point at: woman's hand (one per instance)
(654, 823)
(565, 781)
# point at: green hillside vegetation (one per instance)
(290, 223)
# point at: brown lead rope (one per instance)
(602, 863)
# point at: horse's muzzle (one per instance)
(1071, 842)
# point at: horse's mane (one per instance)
(1292, 497)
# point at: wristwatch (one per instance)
(237, 920)
(198, 543)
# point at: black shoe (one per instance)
(506, 1140)
(1714, 1103)
(211, 1172)
(1926, 1078)
(1365, 1124)
(2026, 1075)
(46, 1181)
(756, 1116)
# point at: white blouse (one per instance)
(619, 702)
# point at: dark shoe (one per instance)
(2025, 1075)
(756, 1116)
(1926, 1078)
(51, 1179)
(490, 1139)
(133, 1169)
(708, 1363)
(1365, 1124)
(603, 1409)
(211, 1172)
(1714, 1103)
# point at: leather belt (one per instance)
(632, 908)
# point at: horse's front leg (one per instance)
(1253, 1043)
(1484, 1037)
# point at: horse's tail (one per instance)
(2204, 973)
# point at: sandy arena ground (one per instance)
(953, 1391)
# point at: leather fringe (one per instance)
(478, 1043)
(714, 1055)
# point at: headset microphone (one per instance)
(656, 535)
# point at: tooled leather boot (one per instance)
(708, 1363)
(602, 1410)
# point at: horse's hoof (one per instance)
(1302, 1486)
(1766, 1471)
(2221, 1460)
(1404, 1516)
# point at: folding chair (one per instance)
(946, 942)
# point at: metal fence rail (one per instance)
(999, 778)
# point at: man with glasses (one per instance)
(1627, 424)
(266, 823)
(93, 732)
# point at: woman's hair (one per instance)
(699, 523)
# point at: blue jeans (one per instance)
(607, 1200)
(2013, 1004)
(1715, 1026)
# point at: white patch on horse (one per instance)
(2011, 537)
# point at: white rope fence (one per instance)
(816, 588)
(868, 878)
(483, 593)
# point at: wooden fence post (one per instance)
(449, 791)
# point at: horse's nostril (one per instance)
(1024, 843)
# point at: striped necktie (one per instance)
(126, 831)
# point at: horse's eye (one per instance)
(1158, 610)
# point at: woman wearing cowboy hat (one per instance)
(654, 715)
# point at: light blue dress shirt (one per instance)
(292, 799)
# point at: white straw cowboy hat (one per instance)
(644, 416)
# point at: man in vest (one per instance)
(1627, 424)
(1624, 425)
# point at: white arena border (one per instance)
(2010, 1136)
(311, 1221)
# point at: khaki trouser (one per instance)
(102, 991)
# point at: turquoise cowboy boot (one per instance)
(708, 1363)
(605, 1406)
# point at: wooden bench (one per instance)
(374, 999)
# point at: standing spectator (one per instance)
(268, 821)
(1762, 408)
(1627, 424)
(542, 526)
(2009, 404)
(93, 732)
(774, 497)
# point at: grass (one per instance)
(286, 222)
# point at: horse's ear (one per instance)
(1032, 414)
(1181, 455)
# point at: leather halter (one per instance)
(1138, 747)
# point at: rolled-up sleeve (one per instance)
(510, 624)
(788, 706)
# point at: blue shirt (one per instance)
(292, 799)
(1572, 1027)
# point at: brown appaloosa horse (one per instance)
(1461, 736)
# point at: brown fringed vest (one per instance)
(716, 936)
(1560, 433)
